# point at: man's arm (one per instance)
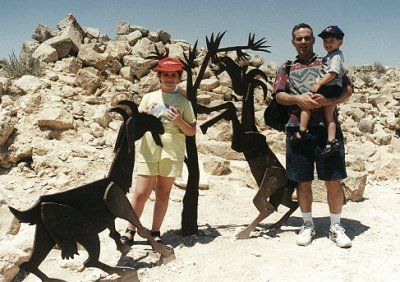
(304, 101)
(323, 101)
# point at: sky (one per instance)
(369, 26)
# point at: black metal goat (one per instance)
(264, 165)
(78, 215)
(275, 189)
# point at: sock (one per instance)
(335, 219)
(307, 216)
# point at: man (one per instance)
(293, 89)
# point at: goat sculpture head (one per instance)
(135, 125)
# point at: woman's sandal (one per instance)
(157, 236)
(301, 136)
(125, 240)
(330, 148)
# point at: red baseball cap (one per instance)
(169, 64)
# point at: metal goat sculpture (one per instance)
(78, 215)
(274, 187)
(190, 200)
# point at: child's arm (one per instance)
(186, 128)
(324, 80)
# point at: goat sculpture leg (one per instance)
(68, 226)
(119, 206)
(43, 243)
(114, 234)
(292, 207)
(274, 179)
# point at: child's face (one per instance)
(332, 43)
(169, 80)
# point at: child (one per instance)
(329, 84)
(158, 166)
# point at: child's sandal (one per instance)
(301, 136)
(125, 240)
(330, 148)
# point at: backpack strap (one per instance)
(288, 66)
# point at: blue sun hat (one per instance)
(332, 30)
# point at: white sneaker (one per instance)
(306, 234)
(337, 235)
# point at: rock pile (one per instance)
(56, 132)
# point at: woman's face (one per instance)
(169, 80)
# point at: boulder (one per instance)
(122, 28)
(133, 37)
(43, 33)
(217, 166)
(28, 84)
(142, 29)
(87, 80)
(209, 84)
(90, 55)
(354, 186)
(45, 53)
(118, 49)
(62, 43)
(126, 72)
(28, 47)
(56, 118)
(139, 66)
(367, 125)
(68, 65)
(92, 33)
(142, 48)
(7, 125)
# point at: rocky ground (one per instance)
(215, 254)
(56, 133)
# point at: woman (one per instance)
(158, 166)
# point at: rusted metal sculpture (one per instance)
(78, 215)
(274, 187)
(190, 200)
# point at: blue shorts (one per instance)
(300, 157)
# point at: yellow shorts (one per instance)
(165, 167)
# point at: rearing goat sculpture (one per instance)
(264, 165)
(78, 215)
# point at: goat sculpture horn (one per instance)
(121, 111)
(132, 106)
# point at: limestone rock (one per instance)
(62, 43)
(122, 28)
(87, 80)
(133, 37)
(7, 125)
(118, 49)
(68, 65)
(354, 186)
(142, 48)
(92, 33)
(367, 125)
(28, 84)
(139, 66)
(217, 166)
(28, 47)
(209, 84)
(45, 53)
(90, 55)
(163, 36)
(126, 72)
(56, 118)
(42, 33)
